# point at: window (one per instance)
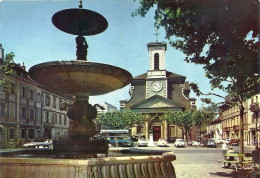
(12, 89)
(54, 118)
(31, 114)
(23, 134)
(24, 92)
(60, 119)
(2, 109)
(31, 95)
(156, 61)
(31, 134)
(47, 100)
(65, 120)
(39, 97)
(23, 112)
(54, 102)
(11, 133)
(47, 117)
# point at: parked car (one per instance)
(234, 142)
(44, 144)
(172, 140)
(211, 143)
(180, 143)
(162, 142)
(120, 141)
(195, 143)
(227, 141)
(142, 142)
(204, 142)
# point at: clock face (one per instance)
(157, 86)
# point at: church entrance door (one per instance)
(156, 133)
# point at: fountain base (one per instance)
(135, 166)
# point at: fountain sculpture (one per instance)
(83, 79)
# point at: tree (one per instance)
(182, 119)
(202, 118)
(121, 119)
(223, 36)
(6, 70)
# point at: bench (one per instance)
(235, 159)
(227, 161)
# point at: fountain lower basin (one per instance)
(133, 166)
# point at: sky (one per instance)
(27, 30)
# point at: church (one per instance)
(156, 92)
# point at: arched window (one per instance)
(156, 61)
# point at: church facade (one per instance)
(156, 92)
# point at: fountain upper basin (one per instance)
(80, 77)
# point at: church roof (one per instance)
(168, 74)
(157, 103)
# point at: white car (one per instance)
(45, 144)
(180, 143)
(142, 142)
(226, 141)
(195, 143)
(162, 142)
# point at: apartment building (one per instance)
(230, 122)
(253, 127)
(29, 111)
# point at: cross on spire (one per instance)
(157, 34)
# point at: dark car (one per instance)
(234, 142)
(211, 143)
(121, 141)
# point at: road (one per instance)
(197, 162)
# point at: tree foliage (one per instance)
(6, 71)
(121, 119)
(223, 36)
(188, 119)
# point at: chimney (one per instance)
(1, 55)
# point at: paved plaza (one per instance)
(194, 162)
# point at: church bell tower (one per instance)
(156, 81)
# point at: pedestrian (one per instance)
(224, 149)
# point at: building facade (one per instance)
(229, 123)
(28, 111)
(155, 92)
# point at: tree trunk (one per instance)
(241, 127)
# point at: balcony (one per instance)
(236, 127)
(254, 107)
(226, 129)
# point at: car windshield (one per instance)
(179, 140)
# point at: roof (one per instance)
(218, 120)
(157, 102)
(168, 74)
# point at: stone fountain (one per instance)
(83, 79)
